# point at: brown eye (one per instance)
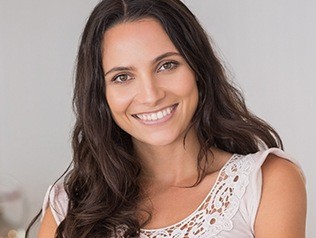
(121, 78)
(168, 66)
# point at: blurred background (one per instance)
(267, 46)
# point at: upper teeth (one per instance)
(155, 115)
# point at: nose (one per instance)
(149, 91)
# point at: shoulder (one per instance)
(53, 210)
(280, 170)
(282, 208)
(48, 225)
(56, 201)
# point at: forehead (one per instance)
(142, 39)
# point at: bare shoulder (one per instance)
(282, 210)
(48, 226)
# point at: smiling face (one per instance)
(150, 88)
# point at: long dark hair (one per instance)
(103, 184)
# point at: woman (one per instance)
(164, 145)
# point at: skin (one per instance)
(48, 226)
(282, 210)
(145, 78)
(155, 77)
(150, 85)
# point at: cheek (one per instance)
(118, 101)
(190, 89)
(187, 87)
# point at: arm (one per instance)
(48, 226)
(282, 210)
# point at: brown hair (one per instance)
(103, 184)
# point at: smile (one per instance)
(156, 116)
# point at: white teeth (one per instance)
(155, 116)
(160, 115)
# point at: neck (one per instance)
(170, 165)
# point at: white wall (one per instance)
(38, 44)
(268, 45)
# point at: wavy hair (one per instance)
(103, 184)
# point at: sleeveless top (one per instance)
(228, 211)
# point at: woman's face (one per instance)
(150, 89)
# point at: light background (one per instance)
(268, 46)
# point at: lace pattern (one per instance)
(218, 208)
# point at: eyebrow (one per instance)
(116, 69)
(158, 58)
(165, 55)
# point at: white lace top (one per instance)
(228, 211)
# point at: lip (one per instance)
(157, 121)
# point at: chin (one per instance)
(160, 140)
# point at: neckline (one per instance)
(199, 206)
